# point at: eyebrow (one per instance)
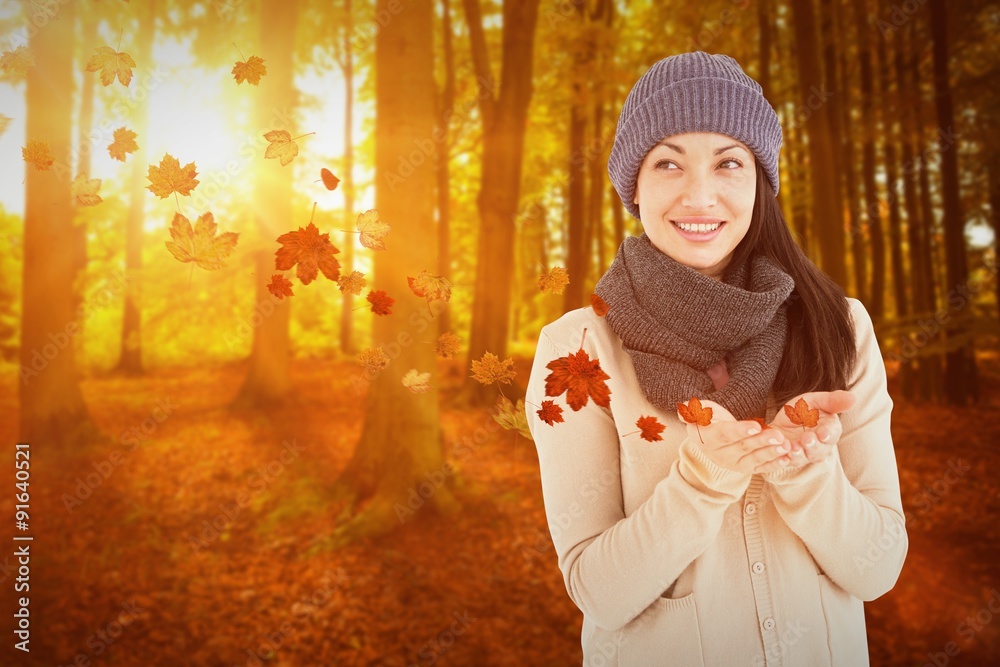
(717, 150)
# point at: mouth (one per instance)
(698, 231)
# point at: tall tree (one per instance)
(504, 114)
(444, 107)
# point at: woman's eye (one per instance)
(736, 162)
(661, 163)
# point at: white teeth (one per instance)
(698, 228)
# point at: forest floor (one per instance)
(159, 559)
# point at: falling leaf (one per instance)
(38, 153)
(17, 61)
(250, 71)
(85, 190)
(417, 382)
(650, 428)
(111, 63)
(550, 413)
(381, 302)
(124, 142)
(311, 250)
(374, 359)
(329, 180)
(4, 123)
(352, 283)
(447, 345)
(693, 413)
(280, 286)
(430, 287)
(490, 369)
(554, 281)
(282, 146)
(511, 417)
(170, 177)
(802, 415)
(580, 377)
(600, 305)
(372, 230)
(200, 245)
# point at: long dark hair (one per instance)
(820, 351)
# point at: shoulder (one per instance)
(567, 332)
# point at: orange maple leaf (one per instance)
(250, 70)
(381, 302)
(170, 177)
(554, 281)
(447, 345)
(329, 180)
(374, 359)
(429, 286)
(311, 250)
(600, 305)
(111, 63)
(693, 413)
(580, 377)
(17, 61)
(280, 286)
(352, 283)
(650, 428)
(38, 153)
(372, 229)
(490, 369)
(282, 146)
(802, 415)
(550, 413)
(200, 245)
(124, 142)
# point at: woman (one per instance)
(715, 542)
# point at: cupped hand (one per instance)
(740, 445)
(814, 444)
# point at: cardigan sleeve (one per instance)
(615, 566)
(847, 509)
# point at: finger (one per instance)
(764, 455)
(780, 463)
(718, 435)
(752, 443)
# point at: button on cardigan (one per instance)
(674, 560)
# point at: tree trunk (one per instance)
(130, 358)
(347, 262)
(399, 453)
(577, 246)
(443, 112)
(960, 362)
(764, 20)
(856, 235)
(504, 118)
(85, 146)
(267, 382)
(52, 407)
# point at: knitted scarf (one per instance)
(677, 323)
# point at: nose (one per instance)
(700, 192)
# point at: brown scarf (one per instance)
(676, 323)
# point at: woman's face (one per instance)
(697, 178)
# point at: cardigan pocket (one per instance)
(665, 633)
(847, 636)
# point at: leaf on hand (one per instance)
(447, 345)
(38, 153)
(329, 180)
(111, 63)
(554, 281)
(374, 359)
(417, 382)
(281, 146)
(280, 286)
(372, 230)
(250, 71)
(200, 245)
(693, 413)
(490, 369)
(600, 305)
(352, 283)
(124, 143)
(85, 190)
(650, 428)
(801, 414)
(311, 250)
(17, 61)
(170, 177)
(511, 417)
(550, 413)
(429, 286)
(580, 377)
(380, 301)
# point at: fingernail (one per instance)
(753, 430)
(784, 447)
(774, 440)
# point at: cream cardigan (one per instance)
(674, 560)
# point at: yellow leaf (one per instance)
(38, 153)
(429, 286)
(200, 245)
(490, 369)
(4, 123)
(512, 417)
(372, 230)
(85, 190)
(169, 177)
(111, 63)
(554, 281)
(17, 61)
(282, 146)
(249, 71)
(124, 142)
(373, 359)
(447, 345)
(352, 283)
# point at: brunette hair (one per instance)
(820, 352)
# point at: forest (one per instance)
(274, 272)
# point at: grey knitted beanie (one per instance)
(692, 92)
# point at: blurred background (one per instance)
(297, 437)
